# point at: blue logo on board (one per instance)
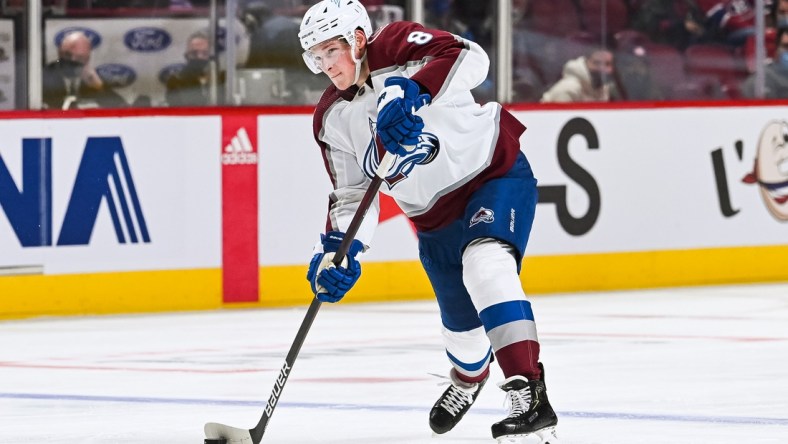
(169, 70)
(93, 36)
(116, 75)
(147, 39)
(103, 177)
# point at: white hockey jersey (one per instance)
(462, 146)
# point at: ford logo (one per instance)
(147, 39)
(95, 38)
(167, 72)
(116, 75)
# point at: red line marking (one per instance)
(643, 336)
(129, 369)
(361, 380)
(694, 318)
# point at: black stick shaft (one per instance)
(369, 197)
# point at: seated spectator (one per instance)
(775, 75)
(274, 44)
(780, 14)
(633, 75)
(473, 20)
(678, 23)
(190, 85)
(585, 79)
(71, 83)
(728, 22)
(273, 38)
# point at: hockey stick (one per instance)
(216, 433)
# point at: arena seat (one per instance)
(716, 60)
(555, 17)
(770, 41)
(697, 87)
(667, 66)
(628, 39)
(604, 17)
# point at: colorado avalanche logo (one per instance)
(424, 152)
(483, 215)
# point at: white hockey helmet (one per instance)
(329, 19)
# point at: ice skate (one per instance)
(531, 419)
(453, 404)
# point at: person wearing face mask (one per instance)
(190, 85)
(775, 75)
(585, 79)
(71, 83)
(782, 11)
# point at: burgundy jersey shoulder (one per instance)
(403, 43)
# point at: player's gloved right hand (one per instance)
(330, 282)
(397, 126)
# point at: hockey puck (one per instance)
(215, 441)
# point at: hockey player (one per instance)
(459, 176)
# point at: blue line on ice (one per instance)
(334, 406)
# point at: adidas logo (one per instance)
(240, 150)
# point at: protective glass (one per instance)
(317, 59)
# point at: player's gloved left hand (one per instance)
(330, 282)
(397, 126)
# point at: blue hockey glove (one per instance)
(330, 282)
(397, 126)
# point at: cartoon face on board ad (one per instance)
(770, 173)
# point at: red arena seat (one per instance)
(604, 17)
(716, 60)
(666, 64)
(556, 17)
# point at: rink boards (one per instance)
(159, 210)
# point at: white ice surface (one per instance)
(697, 365)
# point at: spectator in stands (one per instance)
(190, 85)
(585, 79)
(474, 20)
(776, 73)
(70, 82)
(273, 38)
(437, 13)
(274, 44)
(728, 22)
(678, 23)
(779, 15)
(633, 77)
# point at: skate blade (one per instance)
(545, 436)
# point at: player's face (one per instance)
(334, 59)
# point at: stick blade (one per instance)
(232, 435)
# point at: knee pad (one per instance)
(469, 352)
(490, 273)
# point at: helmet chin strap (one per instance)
(358, 62)
(358, 68)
